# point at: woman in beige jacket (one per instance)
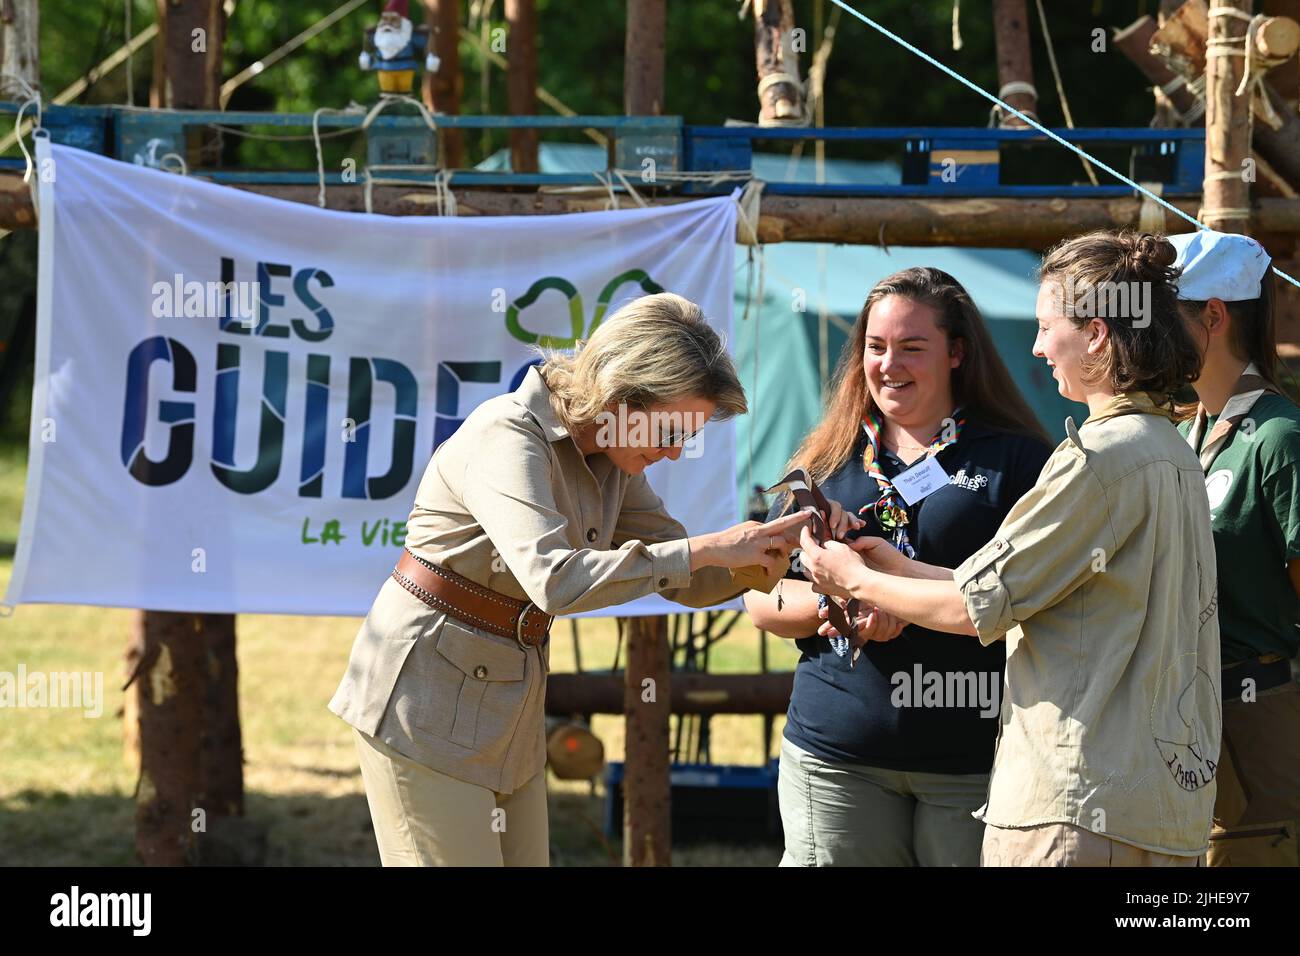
(537, 506)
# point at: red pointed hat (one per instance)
(400, 7)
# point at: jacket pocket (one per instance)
(492, 688)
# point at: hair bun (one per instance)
(1152, 250)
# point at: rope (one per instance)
(385, 100)
(749, 203)
(1060, 87)
(30, 98)
(1035, 124)
(996, 116)
(956, 25)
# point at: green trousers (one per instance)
(848, 814)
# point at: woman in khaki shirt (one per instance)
(1101, 580)
(536, 506)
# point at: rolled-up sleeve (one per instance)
(1054, 539)
(508, 487)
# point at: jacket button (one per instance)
(591, 534)
(663, 582)
(480, 672)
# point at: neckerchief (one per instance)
(889, 509)
(1245, 394)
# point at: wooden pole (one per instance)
(781, 102)
(647, 832)
(158, 84)
(1179, 50)
(1012, 223)
(184, 671)
(647, 695)
(168, 684)
(643, 58)
(1015, 64)
(20, 52)
(1134, 41)
(1227, 124)
(442, 89)
(521, 80)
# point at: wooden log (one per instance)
(158, 77)
(200, 765)
(1015, 63)
(1227, 125)
(647, 833)
(192, 34)
(691, 693)
(998, 223)
(781, 100)
(1182, 45)
(647, 689)
(1134, 41)
(1182, 37)
(169, 687)
(20, 52)
(1278, 37)
(643, 58)
(521, 80)
(442, 88)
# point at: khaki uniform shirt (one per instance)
(510, 502)
(1102, 579)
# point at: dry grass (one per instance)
(66, 791)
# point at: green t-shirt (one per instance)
(1254, 491)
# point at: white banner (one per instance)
(236, 396)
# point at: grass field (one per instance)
(66, 790)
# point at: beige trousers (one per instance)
(426, 818)
(1063, 844)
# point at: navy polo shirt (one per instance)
(925, 701)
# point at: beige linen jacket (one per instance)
(510, 502)
(1102, 579)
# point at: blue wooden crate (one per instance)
(713, 802)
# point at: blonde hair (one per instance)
(654, 350)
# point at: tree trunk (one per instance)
(781, 100)
(20, 52)
(1227, 128)
(442, 89)
(186, 684)
(643, 58)
(647, 693)
(521, 81)
(169, 686)
(1015, 64)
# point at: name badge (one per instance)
(920, 480)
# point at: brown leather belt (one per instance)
(445, 590)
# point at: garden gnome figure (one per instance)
(394, 47)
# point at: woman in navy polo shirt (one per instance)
(888, 743)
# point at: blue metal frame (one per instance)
(1175, 157)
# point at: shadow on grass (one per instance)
(52, 828)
